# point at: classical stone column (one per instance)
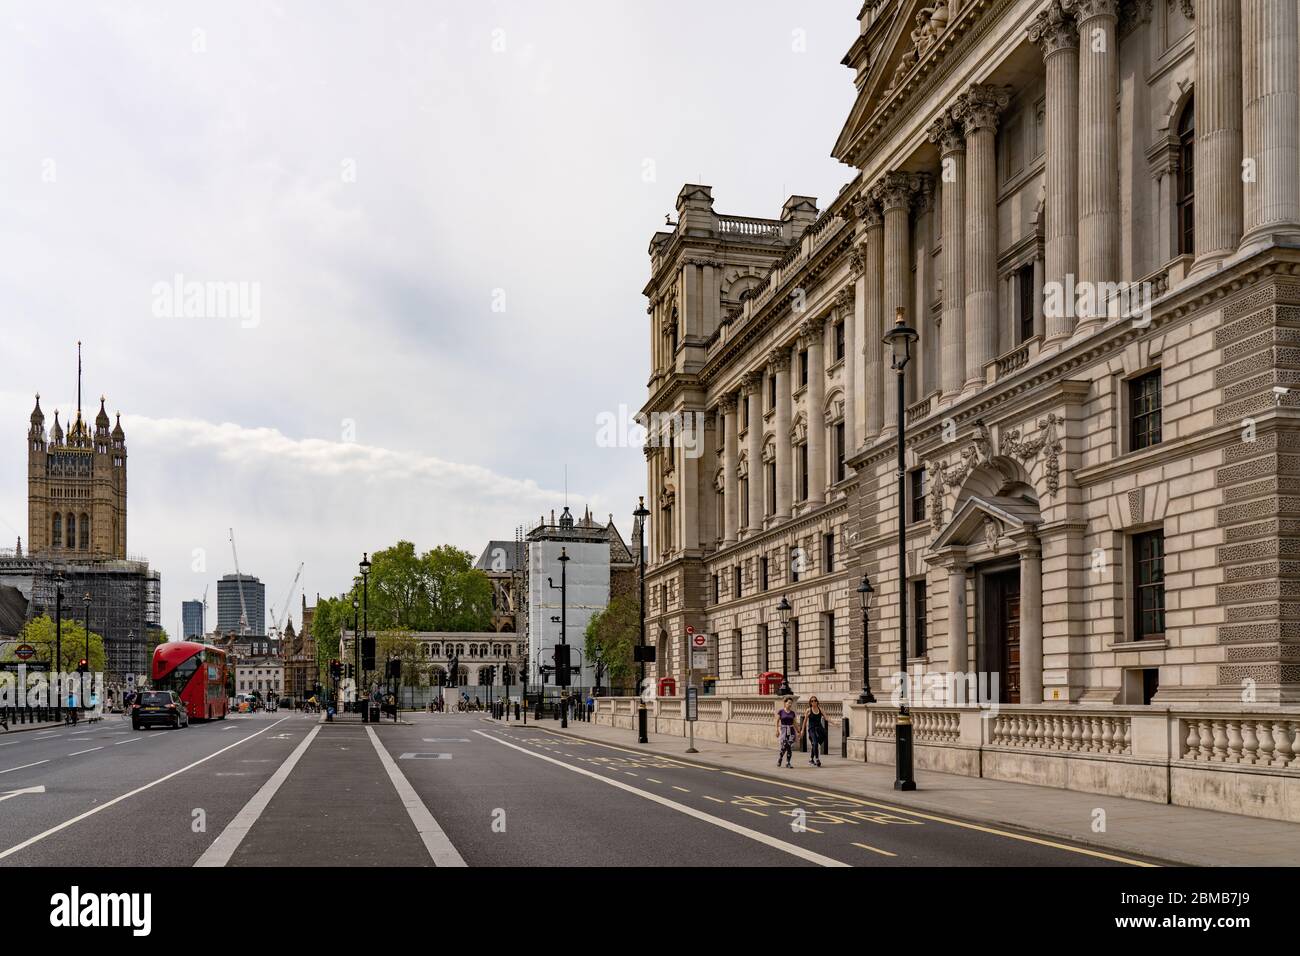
(925, 380)
(779, 360)
(896, 192)
(1099, 214)
(1218, 132)
(979, 108)
(1271, 78)
(1031, 623)
(847, 301)
(753, 385)
(947, 133)
(1055, 33)
(652, 496)
(730, 459)
(814, 335)
(873, 375)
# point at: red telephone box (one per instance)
(769, 682)
(667, 687)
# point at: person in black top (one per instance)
(814, 725)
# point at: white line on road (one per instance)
(131, 741)
(435, 840)
(126, 796)
(24, 767)
(18, 793)
(225, 845)
(771, 841)
(80, 752)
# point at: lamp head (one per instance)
(865, 591)
(900, 339)
(365, 562)
(641, 511)
(783, 610)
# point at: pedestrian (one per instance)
(814, 725)
(591, 706)
(72, 707)
(785, 718)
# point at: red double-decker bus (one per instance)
(197, 672)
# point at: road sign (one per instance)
(690, 629)
(24, 652)
(700, 660)
(692, 703)
(699, 640)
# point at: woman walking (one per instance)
(785, 735)
(814, 725)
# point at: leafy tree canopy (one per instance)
(612, 634)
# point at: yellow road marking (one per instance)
(756, 813)
(875, 850)
(714, 799)
(993, 831)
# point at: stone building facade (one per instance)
(1089, 210)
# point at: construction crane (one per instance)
(203, 625)
(239, 580)
(279, 621)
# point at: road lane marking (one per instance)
(46, 736)
(23, 767)
(714, 799)
(757, 813)
(791, 848)
(80, 752)
(126, 796)
(18, 793)
(682, 789)
(131, 741)
(435, 840)
(893, 808)
(875, 850)
(653, 780)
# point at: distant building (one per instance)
(192, 622)
(263, 675)
(300, 666)
(503, 561)
(229, 608)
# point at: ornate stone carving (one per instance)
(752, 381)
(979, 107)
(778, 359)
(1189, 9)
(810, 328)
(727, 403)
(834, 411)
(1046, 441)
(799, 430)
(992, 531)
(1087, 9)
(769, 453)
(1053, 30)
(896, 190)
(857, 262)
(946, 132)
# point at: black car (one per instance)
(158, 707)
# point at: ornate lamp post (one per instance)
(900, 339)
(564, 627)
(865, 591)
(641, 514)
(58, 645)
(356, 651)
(365, 598)
(783, 612)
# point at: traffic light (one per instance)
(395, 669)
(367, 653)
(492, 673)
(83, 666)
(562, 665)
(349, 672)
(336, 669)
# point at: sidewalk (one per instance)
(1175, 834)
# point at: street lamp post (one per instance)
(58, 645)
(82, 697)
(365, 599)
(865, 590)
(356, 651)
(900, 339)
(641, 514)
(783, 613)
(564, 627)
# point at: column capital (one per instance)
(844, 299)
(1054, 30)
(980, 106)
(779, 359)
(1085, 10)
(727, 403)
(857, 262)
(752, 382)
(812, 327)
(946, 132)
(953, 558)
(896, 190)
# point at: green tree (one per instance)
(612, 634)
(459, 597)
(39, 632)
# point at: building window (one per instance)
(917, 484)
(920, 634)
(735, 581)
(85, 532)
(771, 391)
(796, 560)
(56, 535)
(744, 500)
(737, 663)
(770, 468)
(744, 413)
(1144, 411)
(803, 368)
(1187, 181)
(722, 512)
(828, 552)
(839, 341)
(1025, 301)
(762, 573)
(761, 652)
(839, 451)
(794, 645)
(829, 618)
(715, 589)
(803, 472)
(1149, 585)
(72, 530)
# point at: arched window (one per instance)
(436, 651)
(71, 529)
(85, 532)
(1187, 180)
(56, 532)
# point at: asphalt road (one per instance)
(447, 790)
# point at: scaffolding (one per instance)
(125, 602)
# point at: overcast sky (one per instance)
(440, 212)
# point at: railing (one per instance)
(750, 228)
(710, 708)
(1011, 361)
(1063, 732)
(928, 726)
(753, 711)
(920, 410)
(1246, 740)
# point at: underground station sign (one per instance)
(25, 652)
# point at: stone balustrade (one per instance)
(1062, 732)
(1268, 741)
